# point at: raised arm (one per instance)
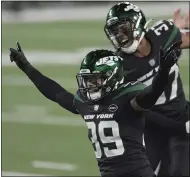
(49, 88)
(147, 98)
(183, 24)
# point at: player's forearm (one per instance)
(156, 120)
(50, 89)
(148, 97)
(46, 86)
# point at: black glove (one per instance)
(169, 57)
(18, 57)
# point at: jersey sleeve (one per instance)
(66, 100)
(172, 35)
(165, 33)
(50, 89)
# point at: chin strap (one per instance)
(132, 48)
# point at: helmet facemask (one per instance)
(94, 86)
(90, 85)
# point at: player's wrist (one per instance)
(26, 67)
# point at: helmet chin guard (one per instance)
(132, 48)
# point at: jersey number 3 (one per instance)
(160, 26)
(98, 132)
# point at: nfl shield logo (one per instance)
(96, 107)
(152, 62)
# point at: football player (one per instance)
(127, 29)
(112, 109)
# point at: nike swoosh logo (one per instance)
(126, 72)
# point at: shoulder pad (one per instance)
(164, 32)
(129, 87)
(162, 26)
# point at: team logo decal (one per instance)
(152, 62)
(113, 108)
(96, 107)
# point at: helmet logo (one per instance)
(122, 3)
(132, 6)
(152, 62)
(107, 60)
(96, 107)
(113, 108)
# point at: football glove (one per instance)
(169, 57)
(17, 55)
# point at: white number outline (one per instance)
(94, 140)
(132, 6)
(106, 139)
(174, 87)
(174, 83)
(162, 27)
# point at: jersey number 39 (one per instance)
(100, 139)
